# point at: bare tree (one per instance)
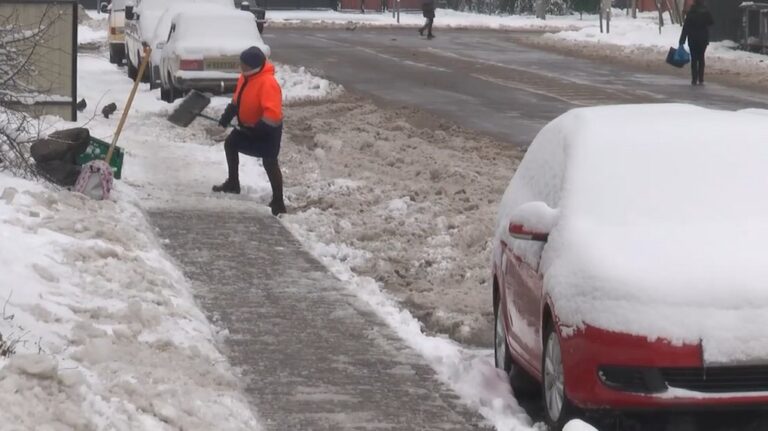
(18, 45)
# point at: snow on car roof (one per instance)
(216, 31)
(663, 224)
(151, 12)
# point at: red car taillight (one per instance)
(191, 65)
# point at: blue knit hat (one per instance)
(253, 57)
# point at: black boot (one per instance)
(277, 207)
(228, 186)
(272, 167)
(232, 184)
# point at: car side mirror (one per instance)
(533, 221)
(104, 7)
(160, 45)
(129, 15)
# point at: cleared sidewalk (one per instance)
(314, 356)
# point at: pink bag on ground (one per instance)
(95, 180)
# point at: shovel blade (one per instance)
(192, 106)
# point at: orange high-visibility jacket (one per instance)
(259, 96)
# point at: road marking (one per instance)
(322, 39)
(622, 94)
(408, 62)
(517, 86)
(379, 54)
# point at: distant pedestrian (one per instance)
(696, 30)
(428, 9)
(258, 106)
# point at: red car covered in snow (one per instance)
(629, 269)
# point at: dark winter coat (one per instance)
(428, 8)
(696, 26)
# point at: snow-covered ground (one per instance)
(639, 41)
(106, 333)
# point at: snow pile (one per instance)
(106, 333)
(639, 40)
(400, 212)
(578, 425)
(415, 193)
(299, 85)
(89, 35)
(660, 233)
(445, 18)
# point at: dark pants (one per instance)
(267, 149)
(427, 26)
(698, 50)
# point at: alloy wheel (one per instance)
(500, 342)
(554, 389)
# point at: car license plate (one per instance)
(221, 65)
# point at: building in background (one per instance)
(50, 45)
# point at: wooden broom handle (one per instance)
(142, 67)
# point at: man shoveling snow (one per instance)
(257, 104)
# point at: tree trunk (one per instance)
(541, 8)
(634, 9)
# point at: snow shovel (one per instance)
(190, 108)
(96, 176)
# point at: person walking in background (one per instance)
(258, 106)
(428, 9)
(696, 30)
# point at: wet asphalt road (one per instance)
(484, 80)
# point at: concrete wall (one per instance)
(53, 59)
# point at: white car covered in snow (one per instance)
(203, 49)
(629, 263)
(143, 23)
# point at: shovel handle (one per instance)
(208, 117)
(147, 52)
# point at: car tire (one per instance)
(153, 84)
(115, 56)
(165, 95)
(132, 71)
(523, 384)
(145, 78)
(558, 409)
(174, 92)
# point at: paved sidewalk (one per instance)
(315, 356)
